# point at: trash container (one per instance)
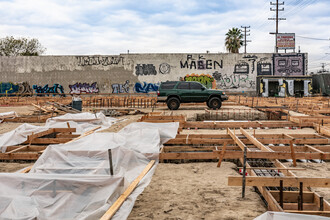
(77, 103)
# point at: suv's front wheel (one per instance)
(214, 103)
(173, 103)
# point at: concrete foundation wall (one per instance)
(141, 73)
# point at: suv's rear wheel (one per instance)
(214, 103)
(173, 103)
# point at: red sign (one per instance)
(286, 41)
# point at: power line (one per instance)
(245, 35)
(313, 38)
(276, 19)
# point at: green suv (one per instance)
(176, 92)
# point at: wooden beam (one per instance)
(114, 208)
(257, 143)
(18, 149)
(26, 169)
(272, 168)
(275, 181)
(292, 196)
(239, 154)
(237, 140)
(321, 213)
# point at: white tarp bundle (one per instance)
(285, 216)
(82, 122)
(73, 181)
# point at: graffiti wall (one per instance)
(9, 88)
(143, 73)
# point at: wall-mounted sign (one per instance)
(286, 41)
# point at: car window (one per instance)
(183, 85)
(168, 85)
(195, 86)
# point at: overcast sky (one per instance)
(77, 27)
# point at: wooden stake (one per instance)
(116, 205)
(293, 154)
(301, 188)
(281, 193)
(110, 161)
(321, 204)
(244, 170)
(222, 154)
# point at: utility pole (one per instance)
(276, 19)
(245, 41)
(323, 65)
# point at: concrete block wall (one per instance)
(142, 73)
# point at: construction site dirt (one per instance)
(185, 187)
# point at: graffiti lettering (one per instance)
(99, 60)
(145, 69)
(55, 89)
(233, 81)
(79, 88)
(241, 68)
(201, 63)
(120, 88)
(146, 87)
(19, 88)
(264, 68)
(289, 65)
(207, 80)
(164, 68)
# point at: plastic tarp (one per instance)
(73, 181)
(82, 122)
(285, 216)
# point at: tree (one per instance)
(9, 46)
(234, 40)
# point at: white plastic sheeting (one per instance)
(285, 216)
(73, 181)
(82, 122)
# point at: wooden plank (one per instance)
(237, 140)
(321, 213)
(275, 181)
(306, 206)
(239, 154)
(272, 168)
(292, 196)
(18, 149)
(47, 141)
(64, 130)
(27, 169)
(19, 156)
(255, 141)
(40, 134)
(245, 141)
(114, 208)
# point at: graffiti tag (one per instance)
(205, 79)
(55, 89)
(146, 87)
(99, 60)
(120, 88)
(78, 88)
(201, 63)
(145, 69)
(233, 81)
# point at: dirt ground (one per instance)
(195, 191)
(192, 190)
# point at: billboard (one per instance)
(285, 41)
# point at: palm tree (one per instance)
(234, 41)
